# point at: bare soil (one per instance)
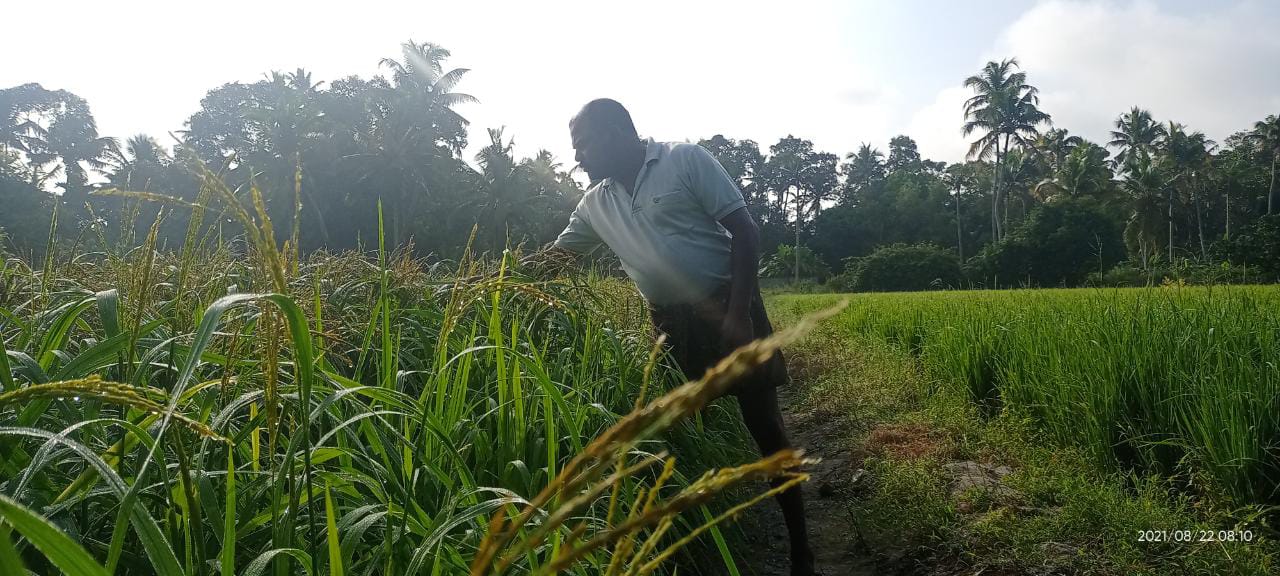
(833, 529)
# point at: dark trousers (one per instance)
(693, 334)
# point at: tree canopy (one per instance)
(327, 153)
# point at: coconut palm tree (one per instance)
(863, 168)
(1266, 136)
(21, 108)
(1019, 173)
(70, 144)
(1005, 110)
(425, 97)
(1055, 144)
(1144, 183)
(418, 137)
(512, 196)
(1136, 133)
(958, 178)
(1187, 155)
(143, 160)
(1083, 172)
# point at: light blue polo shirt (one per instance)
(667, 234)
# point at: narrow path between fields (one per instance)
(948, 492)
(840, 407)
(832, 526)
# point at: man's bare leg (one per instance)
(763, 417)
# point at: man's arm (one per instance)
(577, 239)
(720, 198)
(744, 270)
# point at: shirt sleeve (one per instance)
(710, 184)
(578, 236)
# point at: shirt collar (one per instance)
(653, 152)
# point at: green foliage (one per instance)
(1266, 137)
(519, 199)
(62, 551)
(1256, 246)
(1167, 380)
(909, 500)
(1083, 172)
(1126, 274)
(902, 267)
(1059, 244)
(744, 163)
(373, 430)
(1058, 510)
(326, 152)
(906, 207)
(782, 264)
(24, 219)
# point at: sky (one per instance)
(837, 73)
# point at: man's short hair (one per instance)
(606, 112)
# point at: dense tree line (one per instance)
(336, 149)
(1032, 203)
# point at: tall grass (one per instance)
(237, 409)
(1183, 382)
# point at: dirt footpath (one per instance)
(832, 528)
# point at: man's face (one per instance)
(597, 150)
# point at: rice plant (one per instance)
(1177, 381)
(235, 408)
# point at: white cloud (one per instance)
(936, 127)
(824, 70)
(1217, 71)
(748, 69)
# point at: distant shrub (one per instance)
(788, 286)
(1257, 246)
(782, 264)
(1059, 244)
(902, 267)
(1126, 274)
(1122, 274)
(1223, 273)
(24, 216)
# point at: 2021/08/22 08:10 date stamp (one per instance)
(1191, 536)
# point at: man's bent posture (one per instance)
(681, 228)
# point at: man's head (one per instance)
(604, 139)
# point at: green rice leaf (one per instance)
(6, 375)
(63, 552)
(10, 563)
(228, 558)
(331, 523)
(109, 311)
(260, 564)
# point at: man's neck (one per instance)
(634, 163)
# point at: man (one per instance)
(680, 226)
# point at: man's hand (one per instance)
(736, 331)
